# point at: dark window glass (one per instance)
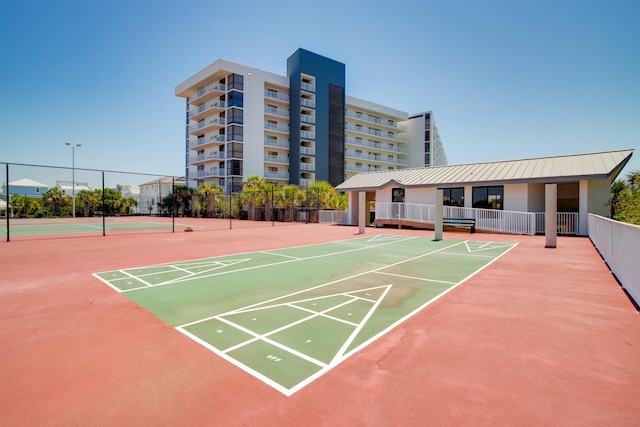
(453, 197)
(234, 150)
(397, 195)
(235, 115)
(427, 135)
(235, 167)
(236, 81)
(488, 197)
(235, 99)
(235, 133)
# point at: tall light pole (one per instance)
(73, 177)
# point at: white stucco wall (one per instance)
(516, 197)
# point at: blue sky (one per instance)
(505, 79)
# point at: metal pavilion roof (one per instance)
(545, 169)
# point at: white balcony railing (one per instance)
(308, 150)
(214, 155)
(307, 166)
(207, 140)
(307, 134)
(384, 146)
(277, 175)
(374, 132)
(280, 112)
(215, 105)
(218, 87)
(308, 87)
(376, 120)
(276, 127)
(218, 121)
(276, 159)
(307, 118)
(306, 102)
(277, 95)
(276, 143)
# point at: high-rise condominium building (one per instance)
(243, 121)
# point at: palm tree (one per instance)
(290, 196)
(88, 200)
(183, 195)
(22, 206)
(56, 198)
(209, 193)
(253, 194)
(128, 203)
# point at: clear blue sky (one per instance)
(505, 79)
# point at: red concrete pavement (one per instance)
(540, 337)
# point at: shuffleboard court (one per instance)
(290, 315)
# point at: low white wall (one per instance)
(619, 245)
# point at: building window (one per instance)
(234, 150)
(272, 93)
(235, 133)
(488, 197)
(235, 115)
(235, 99)
(453, 196)
(236, 81)
(397, 195)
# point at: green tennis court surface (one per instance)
(50, 226)
(288, 316)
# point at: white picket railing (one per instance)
(619, 245)
(486, 219)
(332, 217)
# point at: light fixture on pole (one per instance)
(73, 177)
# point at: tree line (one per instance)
(625, 199)
(55, 203)
(258, 200)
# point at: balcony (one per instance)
(376, 158)
(283, 160)
(378, 134)
(307, 118)
(308, 87)
(276, 127)
(307, 166)
(375, 120)
(306, 102)
(204, 158)
(211, 173)
(284, 176)
(307, 134)
(203, 142)
(204, 110)
(393, 148)
(278, 143)
(308, 150)
(278, 96)
(280, 112)
(207, 125)
(350, 167)
(207, 93)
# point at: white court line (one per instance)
(282, 255)
(416, 278)
(273, 264)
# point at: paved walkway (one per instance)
(541, 337)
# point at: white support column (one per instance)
(362, 212)
(551, 215)
(438, 226)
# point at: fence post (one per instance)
(8, 211)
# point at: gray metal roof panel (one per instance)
(579, 166)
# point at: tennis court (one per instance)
(290, 315)
(24, 227)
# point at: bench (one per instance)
(461, 222)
